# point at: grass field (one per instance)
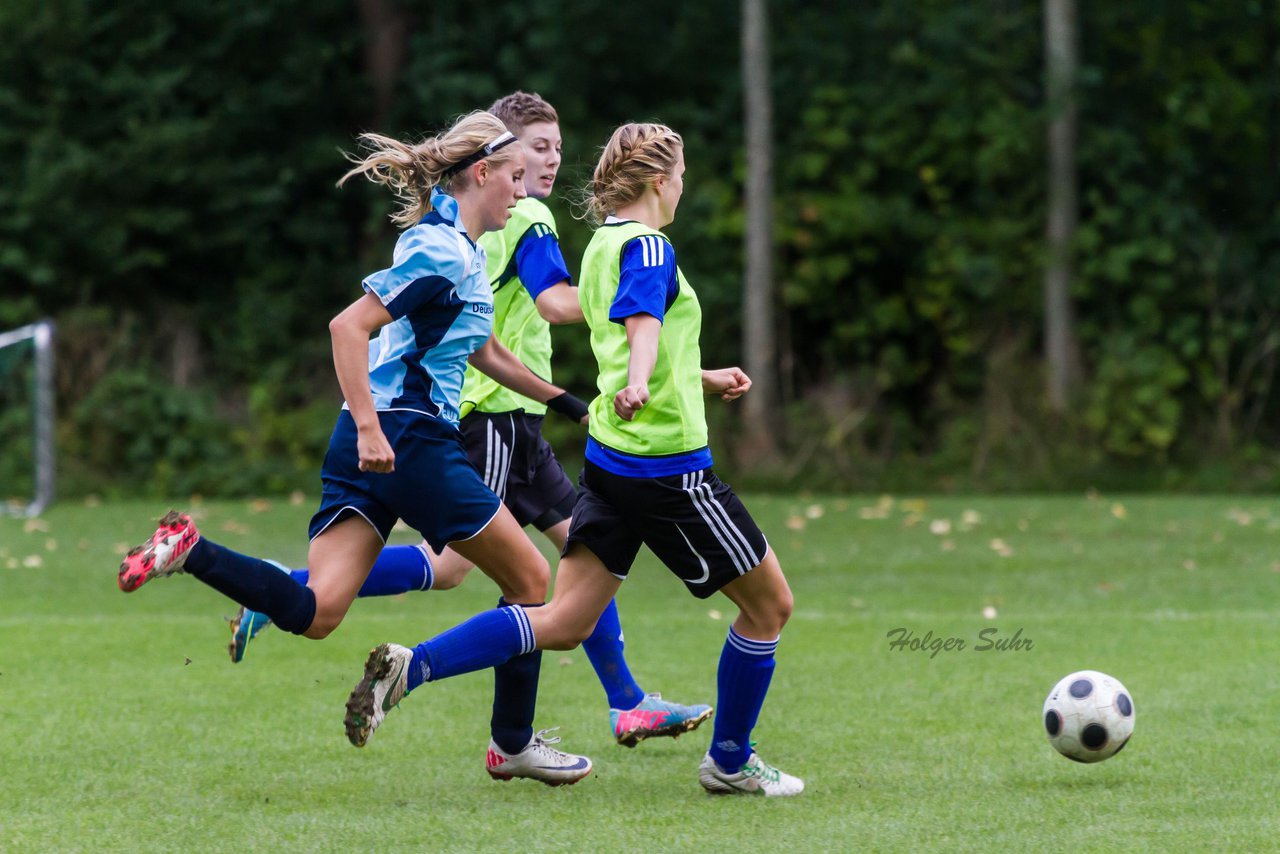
(126, 727)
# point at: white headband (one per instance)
(487, 149)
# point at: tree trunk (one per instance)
(1062, 352)
(387, 27)
(759, 343)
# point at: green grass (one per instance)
(125, 726)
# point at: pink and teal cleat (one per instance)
(655, 717)
(164, 554)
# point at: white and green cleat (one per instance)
(756, 777)
(385, 682)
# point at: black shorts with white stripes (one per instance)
(514, 461)
(692, 522)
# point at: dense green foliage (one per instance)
(169, 198)
(161, 744)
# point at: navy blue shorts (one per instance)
(692, 522)
(514, 461)
(434, 488)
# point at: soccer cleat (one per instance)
(538, 761)
(386, 679)
(163, 554)
(655, 717)
(245, 625)
(756, 777)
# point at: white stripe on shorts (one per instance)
(733, 531)
(488, 453)
(717, 519)
(497, 460)
(507, 451)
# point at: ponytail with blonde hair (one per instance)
(412, 170)
(636, 156)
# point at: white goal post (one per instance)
(40, 336)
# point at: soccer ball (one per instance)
(1088, 716)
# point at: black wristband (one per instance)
(568, 406)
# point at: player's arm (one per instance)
(350, 332)
(559, 304)
(647, 286)
(540, 265)
(496, 361)
(643, 331)
(729, 383)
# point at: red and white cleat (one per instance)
(163, 554)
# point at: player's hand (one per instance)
(729, 383)
(375, 452)
(630, 400)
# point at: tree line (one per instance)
(168, 198)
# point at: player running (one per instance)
(502, 430)
(396, 451)
(648, 481)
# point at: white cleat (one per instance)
(538, 761)
(756, 777)
(385, 682)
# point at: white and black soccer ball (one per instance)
(1088, 716)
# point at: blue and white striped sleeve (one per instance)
(539, 261)
(648, 283)
(426, 268)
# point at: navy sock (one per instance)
(515, 697)
(398, 569)
(746, 668)
(604, 651)
(255, 584)
(486, 640)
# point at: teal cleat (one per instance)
(655, 717)
(246, 624)
(244, 627)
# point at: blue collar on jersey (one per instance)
(447, 206)
(444, 208)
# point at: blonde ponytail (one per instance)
(412, 170)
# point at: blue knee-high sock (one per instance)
(515, 698)
(398, 569)
(486, 640)
(255, 584)
(604, 651)
(746, 667)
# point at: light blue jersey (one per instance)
(441, 306)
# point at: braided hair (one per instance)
(635, 156)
